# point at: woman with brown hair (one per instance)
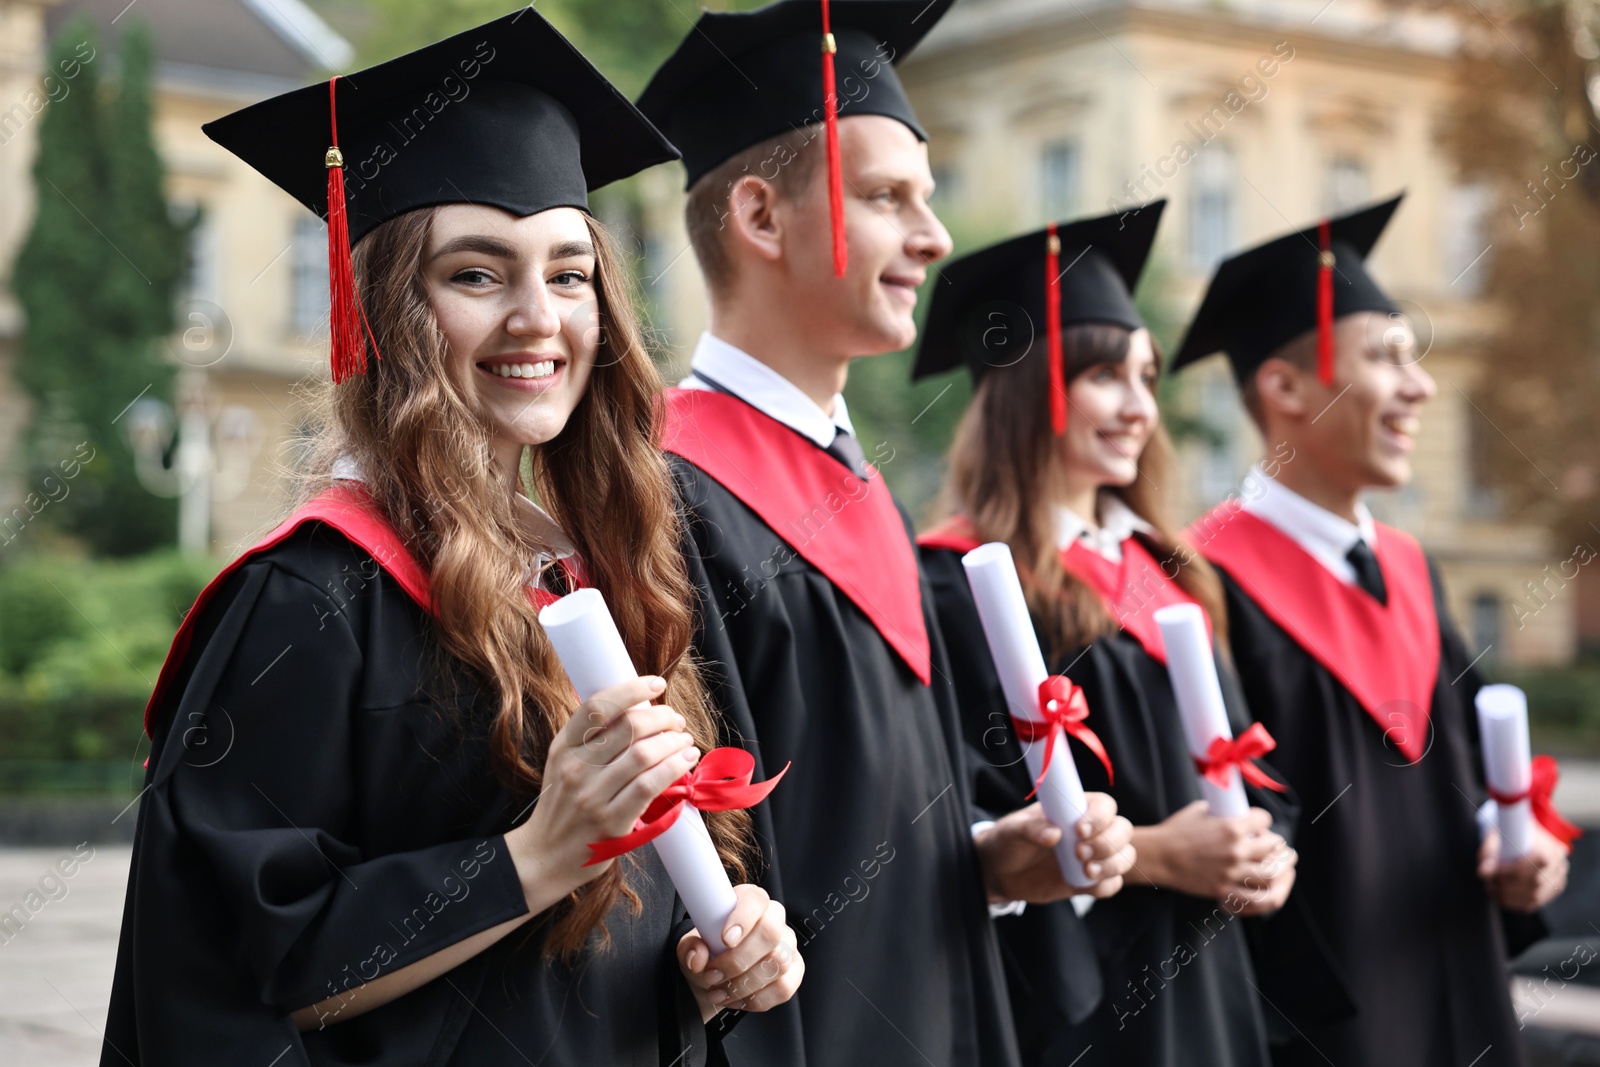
(365, 830)
(1062, 457)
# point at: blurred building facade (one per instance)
(1252, 118)
(252, 319)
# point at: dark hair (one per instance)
(1301, 352)
(1006, 472)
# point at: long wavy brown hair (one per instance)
(424, 453)
(1008, 470)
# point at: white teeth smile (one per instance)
(1402, 424)
(542, 369)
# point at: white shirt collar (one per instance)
(1326, 536)
(536, 522)
(766, 390)
(1118, 522)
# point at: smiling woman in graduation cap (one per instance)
(364, 834)
(1062, 456)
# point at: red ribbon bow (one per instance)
(720, 782)
(1227, 753)
(1060, 704)
(1542, 785)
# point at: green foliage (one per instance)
(81, 644)
(1563, 706)
(627, 39)
(96, 278)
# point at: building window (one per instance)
(1345, 186)
(309, 276)
(1466, 239)
(1211, 206)
(202, 281)
(1486, 612)
(1484, 500)
(1058, 179)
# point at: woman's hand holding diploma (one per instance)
(1238, 860)
(614, 756)
(1027, 855)
(741, 952)
(1018, 859)
(761, 969)
(604, 769)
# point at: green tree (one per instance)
(96, 278)
(1523, 128)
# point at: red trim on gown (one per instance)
(1386, 655)
(1132, 589)
(347, 508)
(849, 530)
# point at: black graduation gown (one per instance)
(319, 809)
(1387, 874)
(868, 840)
(1175, 970)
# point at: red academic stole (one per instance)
(347, 508)
(1132, 589)
(1387, 656)
(848, 529)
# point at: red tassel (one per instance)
(830, 121)
(1325, 304)
(348, 332)
(1052, 314)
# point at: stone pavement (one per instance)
(58, 951)
(56, 965)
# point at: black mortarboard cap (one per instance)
(509, 115)
(989, 306)
(741, 77)
(1004, 286)
(1263, 298)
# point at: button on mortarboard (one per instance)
(1263, 298)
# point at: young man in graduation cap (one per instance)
(814, 232)
(1347, 654)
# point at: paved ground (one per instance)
(55, 969)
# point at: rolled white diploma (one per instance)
(590, 648)
(1198, 692)
(1507, 764)
(1014, 647)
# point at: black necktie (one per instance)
(1368, 575)
(847, 450)
(844, 447)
